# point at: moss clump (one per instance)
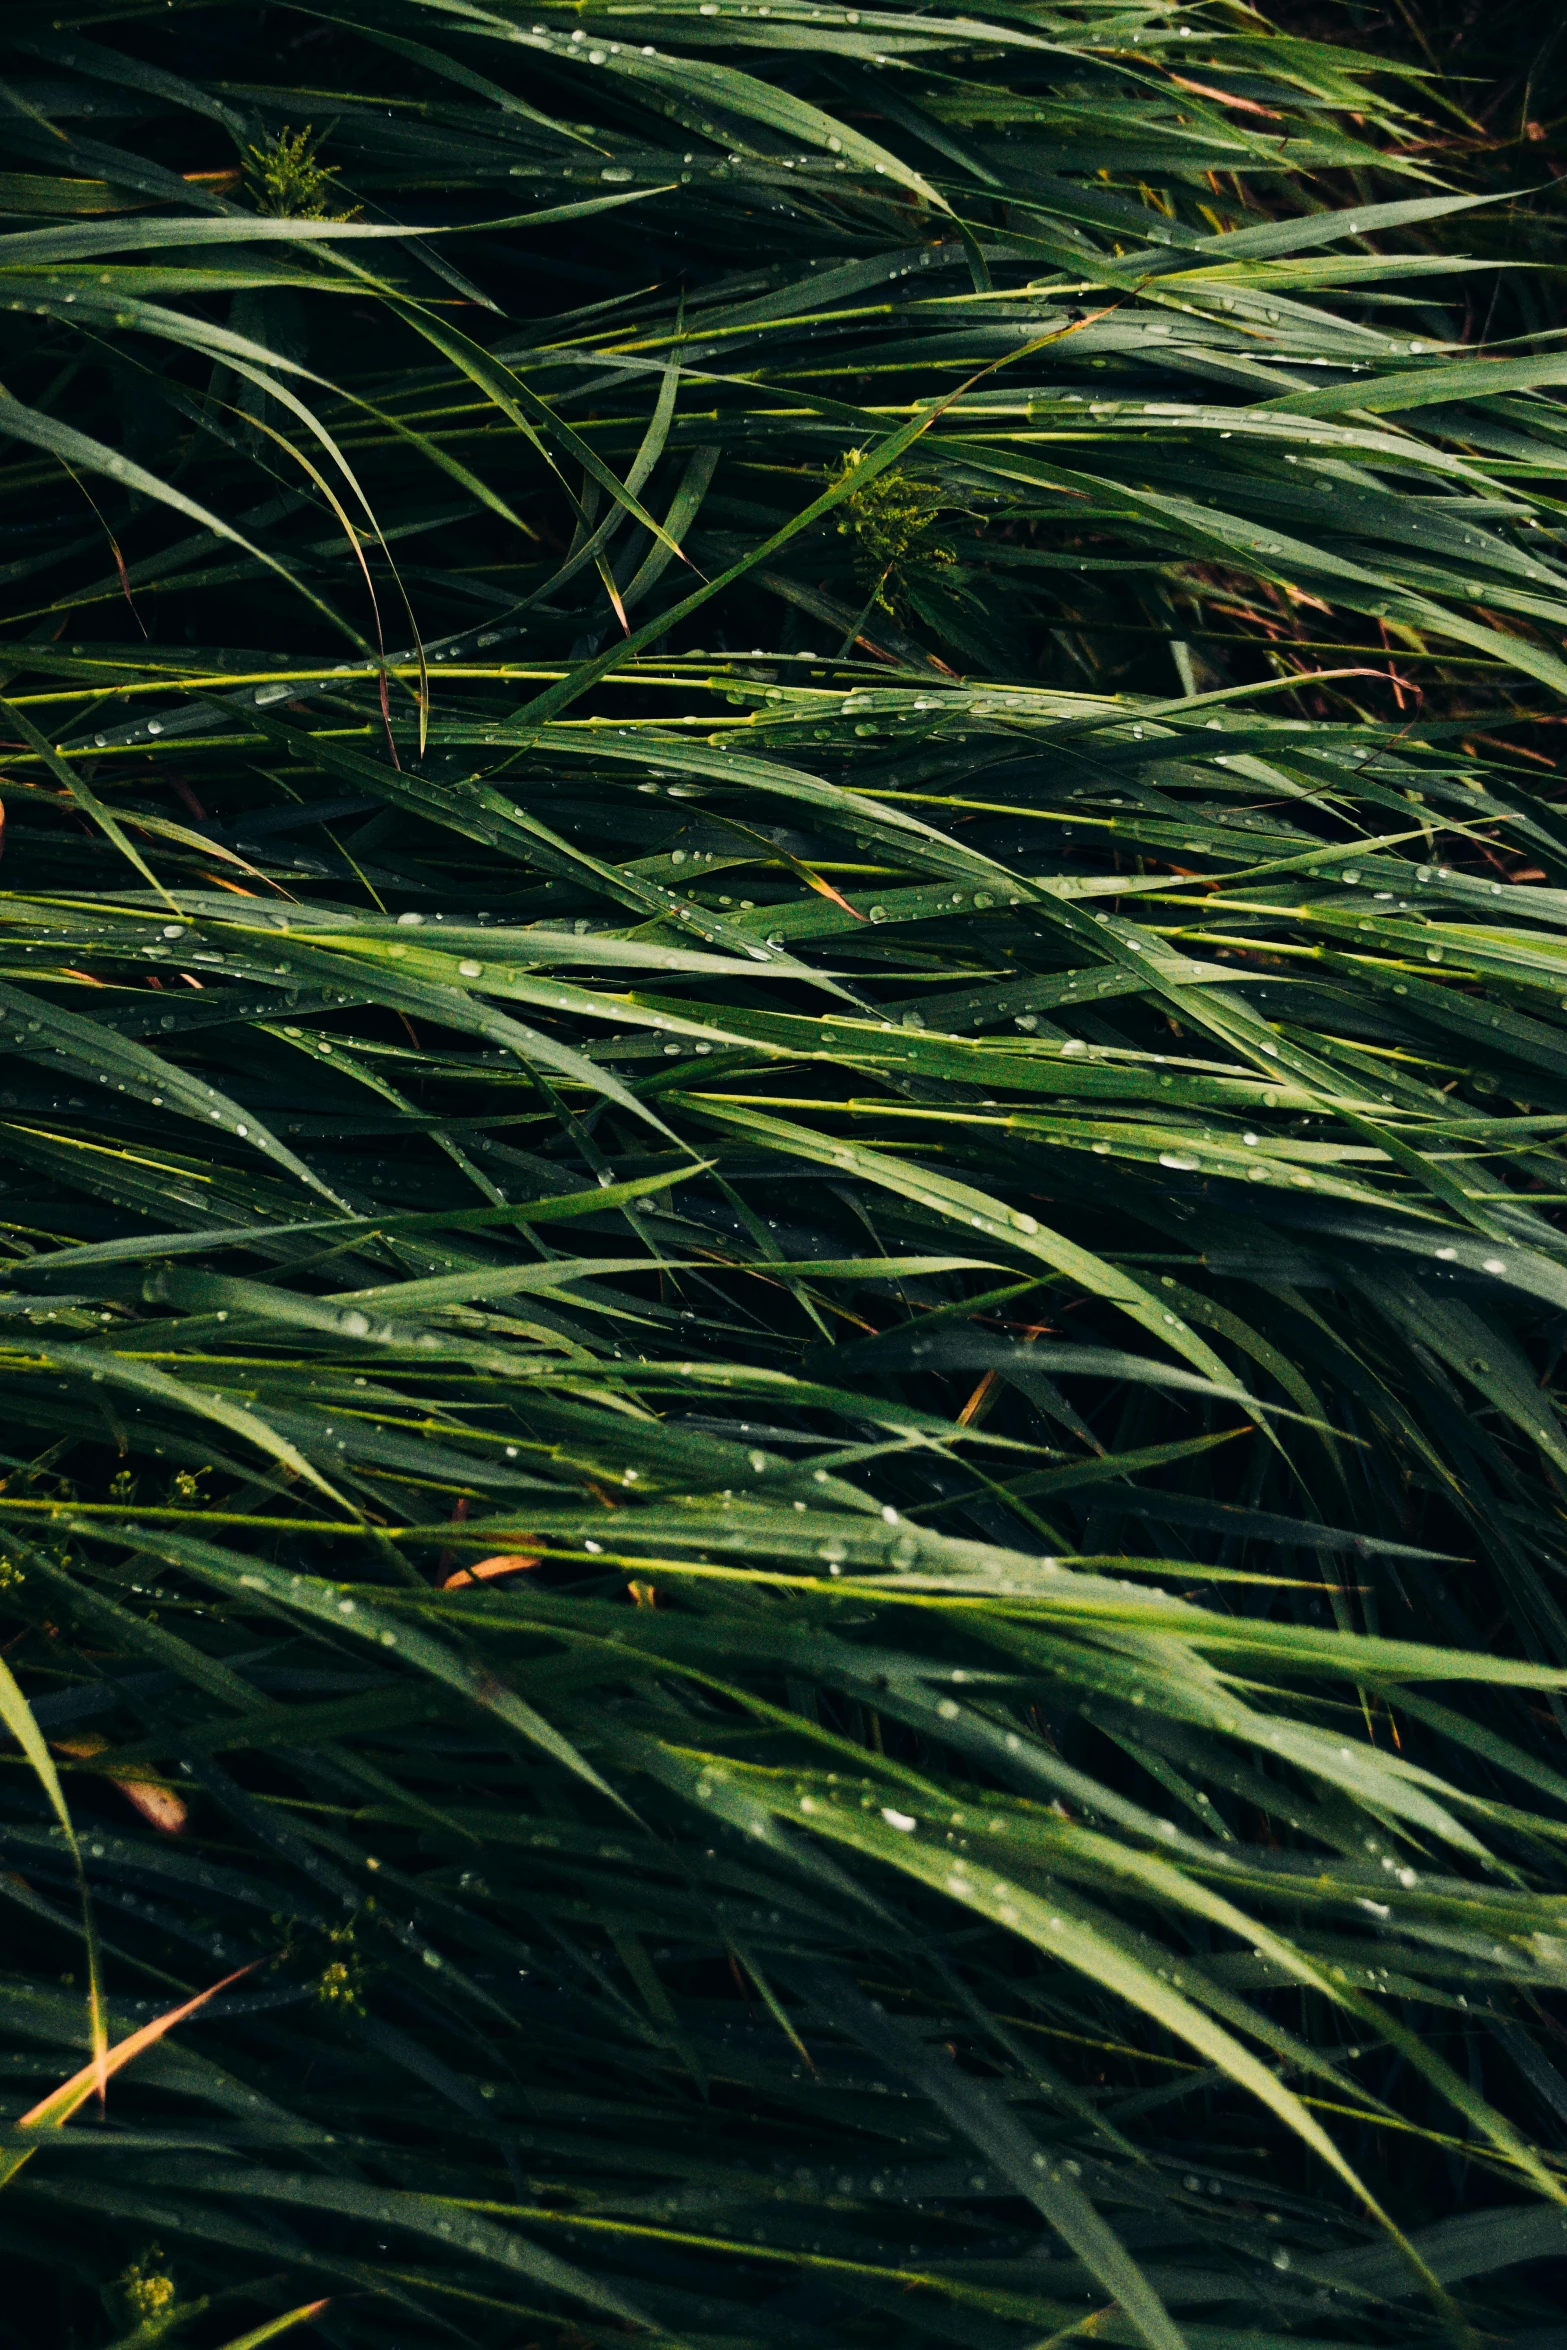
(896, 521)
(288, 180)
(146, 2287)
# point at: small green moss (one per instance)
(339, 1986)
(341, 1983)
(895, 521)
(147, 2287)
(288, 180)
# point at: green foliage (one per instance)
(146, 2289)
(1496, 85)
(288, 182)
(896, 521)
(781, 1283)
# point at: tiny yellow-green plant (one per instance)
(895, 520)
(289, 181)
(147, 2287)
(341, 1983)
(339, 1986)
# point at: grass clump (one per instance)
(781, 1268)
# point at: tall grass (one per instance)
(786, 1052)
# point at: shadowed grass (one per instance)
(785, 1034)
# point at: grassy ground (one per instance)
(786, 1045)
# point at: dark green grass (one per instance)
(783, 980)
